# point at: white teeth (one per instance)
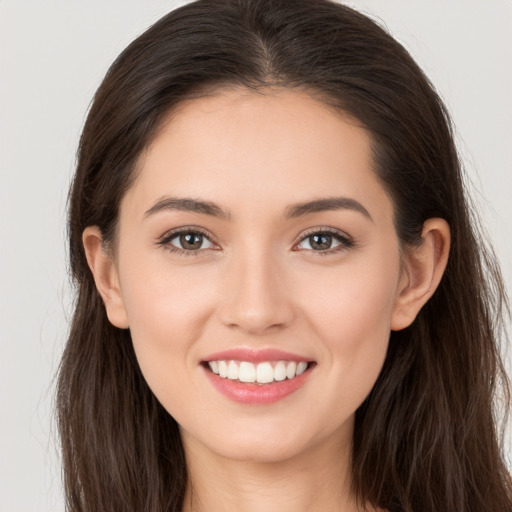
(291, 369)
(262, 373)
(301, 368)
(223, 369)
(280, 371)
(247, 372)
(232, 371)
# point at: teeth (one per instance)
(247, 372)
(232, 370)
(291, 368)
(223, 369)
(262, 373)
(280, 371)
(301, 368)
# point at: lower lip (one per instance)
(249, 393)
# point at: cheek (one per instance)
(166, 313)
(353, 318)
(162, 300)
(354, 300)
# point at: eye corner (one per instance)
(342, 240)
(165, 241)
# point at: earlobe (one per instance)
(105, 276)
(423, 269)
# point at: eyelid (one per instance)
(165, 239)
(346, 241)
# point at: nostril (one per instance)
(255, 303)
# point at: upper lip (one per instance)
(255, 356)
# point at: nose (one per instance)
(255, 298)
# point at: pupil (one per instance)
(321, 241)
(191, 241)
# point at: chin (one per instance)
(262, 451)
(269, 442)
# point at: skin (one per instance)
(258, 282)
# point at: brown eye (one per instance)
(325, 241)
(320, 242)
(192, 241)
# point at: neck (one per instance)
(317, 479)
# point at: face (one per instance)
(257, 242)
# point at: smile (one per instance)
(257, 377)
(262, 373)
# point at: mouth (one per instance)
(262, 373)
(257, 377)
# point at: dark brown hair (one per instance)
(426, 438)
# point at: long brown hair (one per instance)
(426, 438)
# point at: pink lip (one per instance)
(255, 356)
(248, 393)
(252, 393)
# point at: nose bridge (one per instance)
(255, 299)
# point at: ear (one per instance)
(423, 268)
(105, 275)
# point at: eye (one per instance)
(325, 241)
(186, 241)
(191, 241)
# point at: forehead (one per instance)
(275, 147)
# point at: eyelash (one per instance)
(345, 242)
(165, 240)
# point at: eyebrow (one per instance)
(292, 212)
(188, 205)
(327, 204)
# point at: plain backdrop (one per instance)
(53, 54)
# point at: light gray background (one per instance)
(53, 55)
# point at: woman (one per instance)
(283, 300)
